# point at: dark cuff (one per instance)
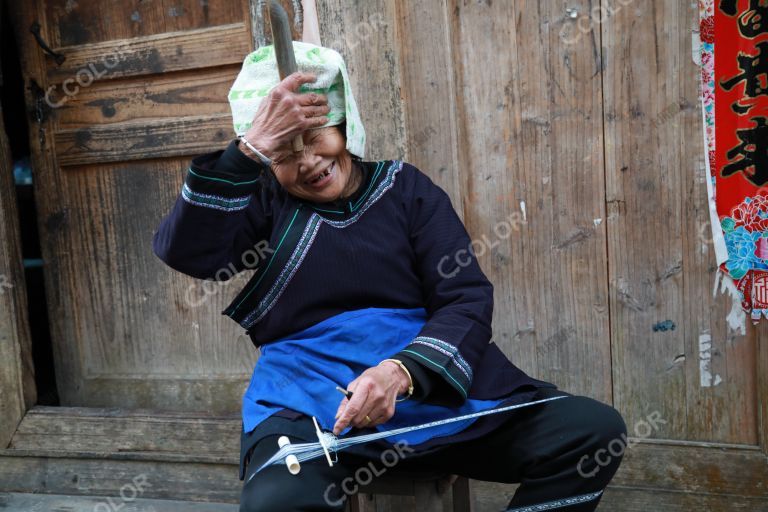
(422, 378)
(224, 179)
(234, 159)
(430, 384)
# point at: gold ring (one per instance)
(367, 418)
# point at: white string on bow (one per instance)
(329, 442)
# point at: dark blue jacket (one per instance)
(396, 242)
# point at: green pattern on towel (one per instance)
(259, 75)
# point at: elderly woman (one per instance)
(365, 280)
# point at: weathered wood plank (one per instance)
(125, 502)
(364, 32)
(218, 391)
(493, 497)
(428, 499)
(137, 140)
(93, 21)
(617, 499)
(361, 503)
(695, 468)
(17, 374)
(388, 494)
(428, 90)
(463, 495)
(726, 409)
(166, 96)
(126, 430)
(707, 474)
(533, 199)
(672, 352)
(158, 53)
(78, 475)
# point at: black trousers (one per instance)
(563, 453)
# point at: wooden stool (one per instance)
(431, 493)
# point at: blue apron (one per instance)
(301, 372)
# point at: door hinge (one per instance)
(57, 57)
(41, 107)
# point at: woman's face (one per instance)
(321, 172)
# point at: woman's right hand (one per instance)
(285, 113)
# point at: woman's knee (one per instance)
(606, 439)
(608, 423)
(258, 496)
(276, 489)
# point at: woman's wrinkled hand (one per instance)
(286, 113)
(373, 395)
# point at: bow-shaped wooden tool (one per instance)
(283, 43)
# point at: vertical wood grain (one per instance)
(664, 318)
(761, 366)
(530, 118)
(17, 375)
(364, 32)
(644, 216)
(588, 140)
(725, 411)
(126, 329)
(431, 104)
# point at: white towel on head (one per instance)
(259, 75)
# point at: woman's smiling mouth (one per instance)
(321, 179)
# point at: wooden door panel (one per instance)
(673, 352)
(604, 288)
(141, 334)
(17, 375)
(162, 97)
(143, 139)
(142, 90)
(373, 65)
(160, 53)
(534, 187)
(87, 22)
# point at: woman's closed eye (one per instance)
(286, 156)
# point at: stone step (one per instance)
(28, 502)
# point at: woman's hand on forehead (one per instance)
(286, 113)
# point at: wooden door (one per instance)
(673, 353)
(549, 125)
(17, 381)
(140, 88)
(569, 137)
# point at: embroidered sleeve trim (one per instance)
(222, 180)
(445, 348)
(456, 379)
(221, 190)
(228, 204)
